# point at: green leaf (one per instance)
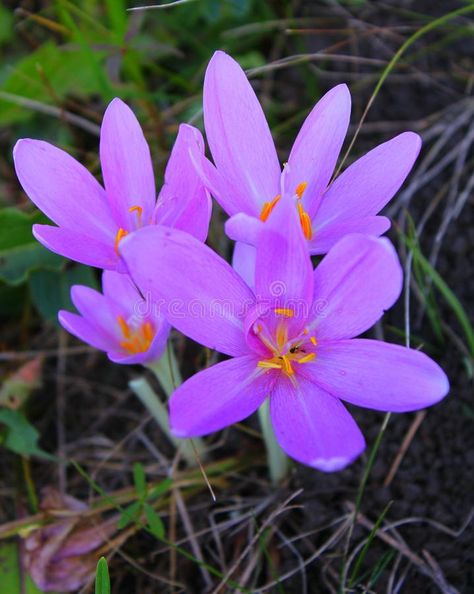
(51, 289)
(102, 578)
(20, 253)
(7, 29)
(139, 480)
(10, 577)
(155, 523)
(48, 72)
(20, 437)
(129, 514)
(160, 489)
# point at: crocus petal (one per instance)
(365, 187)
(89, 333)
(354, 284)
(183, 201)
(312, 426)
(377, 375)
(238, 135)
(283, 270)
(98, 310)
(243, 227)
(126, 166)
(218, 396)
(243, 262)
(63, 189)
(196, 290)
(317, 146)
(324, 239)
(121, 289)
(78, 246)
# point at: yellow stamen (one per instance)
(120, 235)
(268, 365)
(313, 340)
(300, 188)
(307, 358)
(124, 326)
(287, 368)
(284, 311)
(268, 207)
(139, 211)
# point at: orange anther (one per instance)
(268, 207)
(284, 311)
(120, 235)
(124, 326)
(300, 188)
(139, 211)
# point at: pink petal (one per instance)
(196, 290)
(355, 283)
(63, 189)
(78, 246)
(365, 187)
(243, 262)
(219, 396)
(317, 146)
(126, 165)
(121, 289)
(377, 375)
(238, 135)
(88, 332)
(244, 228)
(324, 239)
(98, 310)
(183, 202)
(312, 426)
(283, 269)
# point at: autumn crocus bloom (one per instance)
(119, 321)
(290, 340)
(248, 180)
(92, 220)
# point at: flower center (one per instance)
(285, 353)
(121, 233)
(304, 216)
(136, 340)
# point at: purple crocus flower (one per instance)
(92, 220)
(290, 340)
(248, 181)
(119, 321)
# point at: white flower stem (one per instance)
(278, 462)
(167, 373)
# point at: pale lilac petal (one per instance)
(219, 396)
(317, 146)
(243, 262)
(183, 201)
(98, 310)
(283, 270)
(355, 283)
(238, 135)
(219, 186)
(243, 227)
(313, 427)
(196, 290)
(365, 187)
(121, 289)
(88, 332)
(377, 375)
(78, 246)
(325, 238)
(126, 165)
(63, 189)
